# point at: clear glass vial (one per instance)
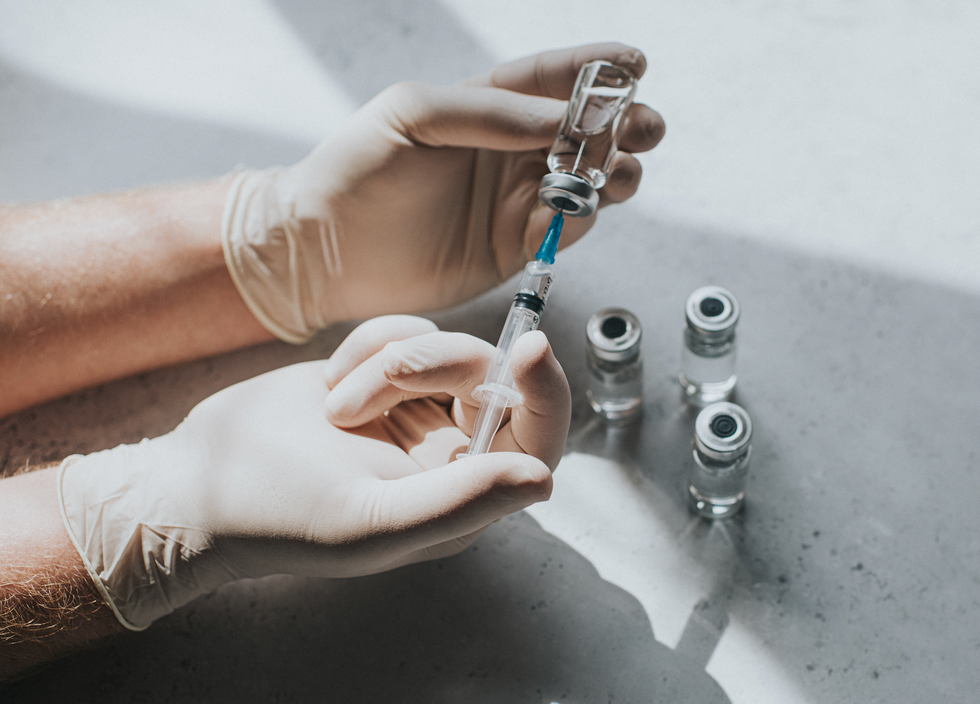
(587, 139)
(612, 352)
(708, 355)
(721, 454)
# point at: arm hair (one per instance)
(49, 606)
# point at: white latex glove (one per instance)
(256, 481)
(424, 199)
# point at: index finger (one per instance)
(369, 338)
(427, 365)
(552, 74)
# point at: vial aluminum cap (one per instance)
(722, 431)
(613, 334)
(712, 310)
(571, 194)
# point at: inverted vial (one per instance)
(588, 137)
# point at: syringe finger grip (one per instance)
(512, 395)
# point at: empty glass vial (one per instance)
(612, 352)
(716, 486)
(588, 137)
(708, 355)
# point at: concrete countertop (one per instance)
(852, 575)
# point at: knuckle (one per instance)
(400, 360)
(627, 174)
(412, 109)
(646, 127)
(401, 93)
(399, 106)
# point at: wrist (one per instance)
(281, 264)
(50, 606)
(131, 515)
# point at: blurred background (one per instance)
(821, 161)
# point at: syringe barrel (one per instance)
(519, 321)
(497, 391)
(487, 422)
(524, 316)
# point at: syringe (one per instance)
(498, 390)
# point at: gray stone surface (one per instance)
(855, 563)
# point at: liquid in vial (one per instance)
(708, 355)
(589, 134)
(587, 139)
(615, 365)
(720, 460)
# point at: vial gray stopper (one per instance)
(724, 426)
(730, 442)
(617, 347)
(571, 194)
(712, 310)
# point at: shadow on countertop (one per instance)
(519, 616)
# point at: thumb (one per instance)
(470, 116)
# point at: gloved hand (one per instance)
(424, 199)
(257, 481)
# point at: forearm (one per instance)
(101, 287)
(49, 605)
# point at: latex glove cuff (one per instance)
(145, 545)
(280, 271)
